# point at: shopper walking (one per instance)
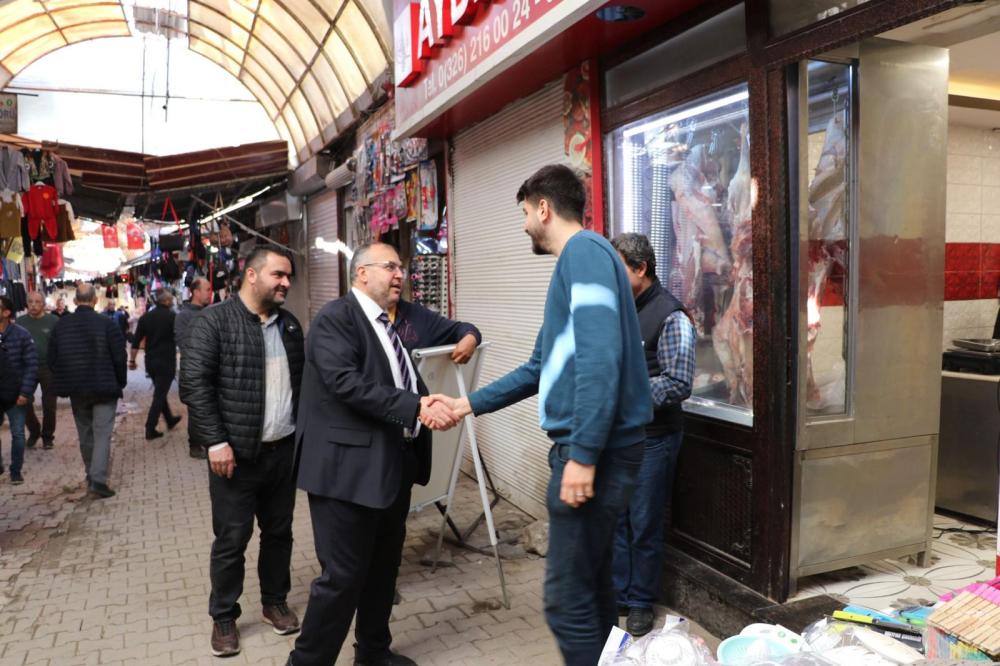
(40, 325)
(589, 371)
(18, 378)
(87, 360)
(361, 448)
(668, 339)
(201, 297)
(156, 330)
(240, 373)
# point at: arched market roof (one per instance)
(312, 64)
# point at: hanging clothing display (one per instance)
(64, 222)
(41, 165)
(11, 212)
(428, 196)
(41, 204)
(13, 170)
(52, 261)
(63, 181)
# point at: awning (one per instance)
(313, 65)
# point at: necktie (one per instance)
(404, 370)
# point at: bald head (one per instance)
(85, 294)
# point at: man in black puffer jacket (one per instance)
(240, 376)
(87, 359)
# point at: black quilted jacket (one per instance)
(222, 375)
(87, 356)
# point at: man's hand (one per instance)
(577, 483)
(459, 406)
(464, 350)
(22, 401)
(131, 364)
(222, 461)
(436, 415)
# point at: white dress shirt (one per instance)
(373, 311)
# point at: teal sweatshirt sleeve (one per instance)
(594, 304)
(515, 386)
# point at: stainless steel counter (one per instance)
(967, 478)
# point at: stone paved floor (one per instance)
(125, 580)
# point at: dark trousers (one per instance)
(359, 549)
(47, 428)
(638, 550)
(263, 489)
(580, 605)
(161, 387)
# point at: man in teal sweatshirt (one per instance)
(589, 371)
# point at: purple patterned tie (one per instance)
(404, 370)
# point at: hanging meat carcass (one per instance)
(733, 337)
(827, 233)
(699, 245)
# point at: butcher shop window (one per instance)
(827, 232)
(682, 177)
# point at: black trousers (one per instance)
(359, 549)
(265, 490)
(161, 387)
(46, 429)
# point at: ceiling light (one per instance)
(620, 13)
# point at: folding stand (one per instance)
(482, 476)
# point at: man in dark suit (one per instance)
(156, 329)
(363, 441)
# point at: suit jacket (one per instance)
(349, 435)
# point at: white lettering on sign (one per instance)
(424, 27)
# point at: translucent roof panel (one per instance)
(308, 62)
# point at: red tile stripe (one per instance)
(971, 271)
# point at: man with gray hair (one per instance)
(156, 329)
(87, 360)
(668, 340)
(201, 298)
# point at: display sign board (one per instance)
(446, 48)
(8, 113)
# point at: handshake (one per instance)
(439, 412)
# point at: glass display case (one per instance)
(682, 177)
(827, 232)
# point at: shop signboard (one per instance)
(445, 49)
(8, 113)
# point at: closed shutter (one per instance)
(500, 285)
(324, 268)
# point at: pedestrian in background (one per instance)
(156, 329)
(87, 360)
(589, 371)
(40, 325)
(18, 378)
(668, 340)
(201, 297)
(240, 375)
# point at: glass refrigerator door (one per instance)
(682, 177)
(825, 230)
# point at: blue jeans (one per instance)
(15, 416)
(579, 593)
(638, 558)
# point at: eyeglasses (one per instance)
(390, 266)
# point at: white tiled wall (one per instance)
(973, 208)
(968, 319)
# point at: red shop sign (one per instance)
(438, 41)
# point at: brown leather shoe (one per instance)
(225, 638)
(282, 618)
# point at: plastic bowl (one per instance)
(742, 650)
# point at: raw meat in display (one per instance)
(699, 245)
(732, 338)
(827, 233)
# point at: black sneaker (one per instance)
(639, 622)
(32, 440)
(16, 479)
(47, 444)
(622, 610)
(172, 423)
(101, 491)
(153, 434)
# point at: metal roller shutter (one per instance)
(324, 268)
(500, 285)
